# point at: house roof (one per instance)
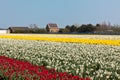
(52, 25)
(19, 28)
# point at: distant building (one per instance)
(18, 29)
(52, 27)
(4, 31)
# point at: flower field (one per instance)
(19, 70)
(87, 39)
(77, 55)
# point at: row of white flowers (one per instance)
(85, 60)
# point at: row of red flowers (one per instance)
(12, 68)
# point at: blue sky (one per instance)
(62, 12)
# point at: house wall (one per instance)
(4, 31)
(54, 30)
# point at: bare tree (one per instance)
(34, 26)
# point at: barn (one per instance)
(18, 29)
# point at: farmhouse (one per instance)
(18, 29)
(52, 27)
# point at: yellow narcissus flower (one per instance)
(58, 38)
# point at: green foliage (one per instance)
(73, 28)
(64, 30)
(86, 28)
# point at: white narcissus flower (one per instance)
(65, 56)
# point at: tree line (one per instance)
(103, 28)
(75, 29)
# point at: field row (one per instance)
(103, 37)
(87, 39)
(86, 60)
(11, 69)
